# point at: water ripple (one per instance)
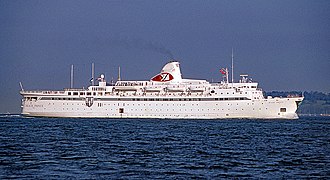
(43, 148)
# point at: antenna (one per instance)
(118, 73)
(71, 77)
(93, 74)
(232, 66)
(20, 84)
(227, 76)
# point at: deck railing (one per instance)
(43, 92)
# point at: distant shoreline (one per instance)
(313, 115)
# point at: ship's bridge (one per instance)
(245, 83)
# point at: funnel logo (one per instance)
(163, 77)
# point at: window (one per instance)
(283, 110)
(121, 110)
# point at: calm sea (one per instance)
(58, 148)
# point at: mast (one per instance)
(232, 66)
(93, 74)
(71, 77)
(118, 73)
(20, 84)
(227, 78)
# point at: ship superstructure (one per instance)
(166, 95)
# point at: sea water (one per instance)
(62, 148)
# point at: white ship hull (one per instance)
(171, 100)
(195, 108)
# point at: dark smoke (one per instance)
(143, 45)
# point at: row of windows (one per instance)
(151, 99)
(67, 99)
(30, 98)
(162, 109)
(83, 93)
(133, 104)
(108, 93)
(165, 110)
(98, 88)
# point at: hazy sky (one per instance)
(284, 45)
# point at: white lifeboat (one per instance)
(153, 89)
(176, 89)
(126, 88)
(196, 89)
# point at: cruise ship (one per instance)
(166, 95)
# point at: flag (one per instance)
(91, 80)
(223, 71)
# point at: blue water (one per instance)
(55, 148)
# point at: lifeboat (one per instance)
(196, 89)
(126, 88)
(153, 89)
(175, 89)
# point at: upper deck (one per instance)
(167, 83)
